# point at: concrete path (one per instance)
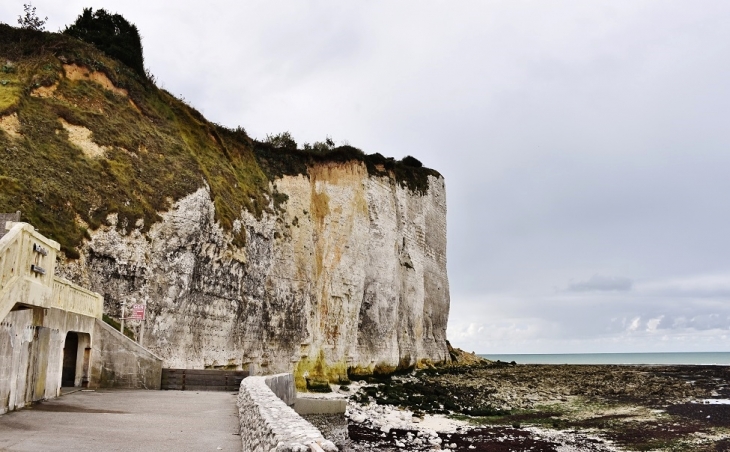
(125, 420)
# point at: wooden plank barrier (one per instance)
(202, 379)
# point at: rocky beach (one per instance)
(506, 407)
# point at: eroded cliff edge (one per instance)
(348, 273)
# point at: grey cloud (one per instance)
(598, 283)
(588, 322)
(699, 286)
(576, 138)
(700, 322)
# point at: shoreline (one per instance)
(560, 407)
(615, 358)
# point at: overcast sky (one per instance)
(585, 144)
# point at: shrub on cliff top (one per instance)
(281, 141)
(112, 34)
(412, 162)
(279, 155)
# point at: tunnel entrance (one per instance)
(70, 350)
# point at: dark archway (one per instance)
(70, 350)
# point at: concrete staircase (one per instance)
(27, 267)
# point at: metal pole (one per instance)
(124, 306)
(141, 327)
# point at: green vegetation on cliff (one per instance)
(83, 135)
(112, 34)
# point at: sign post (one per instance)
(121, 325)
(138, 313)
(141, 327)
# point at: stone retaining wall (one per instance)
(268, 424)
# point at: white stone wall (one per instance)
(270, 425)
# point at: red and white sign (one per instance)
(137, 312)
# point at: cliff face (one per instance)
(348, 272)
(249, 254)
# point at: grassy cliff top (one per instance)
(83, 136)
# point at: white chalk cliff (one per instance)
(348, 273)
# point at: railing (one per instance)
(70, 297)
(9, 258)
(27, 267)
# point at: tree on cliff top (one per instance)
(112, 34)
(31, 21)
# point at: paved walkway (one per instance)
(125, 420)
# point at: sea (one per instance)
(697, 358)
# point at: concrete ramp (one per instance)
(125, 420)
(122, 363)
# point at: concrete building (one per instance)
(51, 330)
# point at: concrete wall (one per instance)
(119, 362)
(282, 385)
(27, 276)
(305, 405)
(269, 424)
(31, 354)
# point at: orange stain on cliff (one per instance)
(338, 205)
